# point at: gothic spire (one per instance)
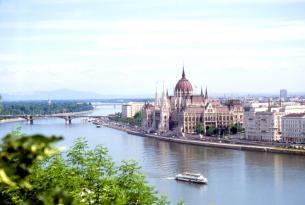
(206, 92)
(164, 97)
(201, 92)
(183, 73)
(156, 98)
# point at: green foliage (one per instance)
(18, 157)
(223, 130)
(212, 130)
(138, 118)
(234, 129)
(35, 174)
(200, 128)
(43, 108)
(135, 121)
(18, 154)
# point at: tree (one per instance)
(234, 129)
(17, 158)
(200, 128)
(138, 118)
(224, 130)
(211, 131)
(43, 107)
(32, 172)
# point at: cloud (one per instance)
(4, 57)
(194, 31)
(129, 53)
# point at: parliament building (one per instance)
(182, 112)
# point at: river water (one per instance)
(235, 177)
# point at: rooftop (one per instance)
(301, 115)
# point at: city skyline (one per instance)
(115, 48)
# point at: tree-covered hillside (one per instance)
(43, 107)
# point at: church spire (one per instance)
(157, 99)
(183, 73)
(201, 92)
(206, 92)
(164, 98)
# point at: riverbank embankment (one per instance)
(222, 145)
(201, 142)
(11, 120)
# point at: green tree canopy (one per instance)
(135, 120)
(212, 130)
(200, 128)
(234, 129)
(138, 118)
(32, 172)
(43, 107)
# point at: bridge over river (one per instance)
(67, 117)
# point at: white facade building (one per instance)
(263, 121)
(130, 109)
(293, 126)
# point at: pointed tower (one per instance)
(184, 85)
(206, 93)
(183, 73)
(157, 105)
(201, 92)
(164, 113)
(157, 99)
(164, 97)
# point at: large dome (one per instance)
(184, 85)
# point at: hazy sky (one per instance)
(126, 47)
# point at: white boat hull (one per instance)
(198, 181)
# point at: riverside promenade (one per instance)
(245, 147)
(183, 140)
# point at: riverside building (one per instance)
(293, 127)
(263, 121)
(185, 110)
(130, 109)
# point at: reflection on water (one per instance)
(235, 177)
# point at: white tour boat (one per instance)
(192, 177)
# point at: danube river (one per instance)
(235, 177)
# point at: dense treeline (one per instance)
(136, 120)
(43, 107)
(215, 131)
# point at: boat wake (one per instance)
(168, 178)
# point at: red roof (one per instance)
(183, 84)
(194, 110)
(197, 99)
(222, 109)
